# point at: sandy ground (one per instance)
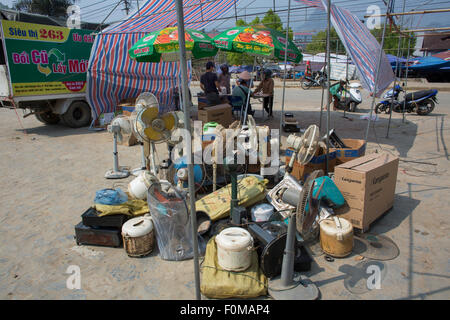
(50, 174)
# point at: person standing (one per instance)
(266, 87)
(225, 78)
(308, 71)
(210, 84)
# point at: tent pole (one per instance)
(377, 70)
(407, 66)
(321, 107)
(396, 73)
(328, 62)
(248, 93)
(346, 79)
(285, 70)
(187, 125)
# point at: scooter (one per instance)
(422, 102)
(320, 80)
(351, 100)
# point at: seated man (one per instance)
(241, 90)
(210, 84)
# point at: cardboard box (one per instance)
(221, 114)
(357, 148)
(318, 162)
(127, 106)
(368, 186)
(202, 102)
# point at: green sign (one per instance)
(45, 59)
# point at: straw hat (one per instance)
(245, 75)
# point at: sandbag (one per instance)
(217, 204)
(218, 283)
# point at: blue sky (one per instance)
(301, 19)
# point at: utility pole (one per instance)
(127, 6)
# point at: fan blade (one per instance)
(152, 134)
(148, 115)
(169, 120)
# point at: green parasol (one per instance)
(162, 45)
(257, 40)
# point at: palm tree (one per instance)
(54, 8)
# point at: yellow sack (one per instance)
(134, 207)
(218, 283)
(217, 204)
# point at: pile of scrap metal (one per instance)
(256, 219)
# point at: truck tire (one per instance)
(78, 115)
(48, 117)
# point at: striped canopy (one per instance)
(361, 46)
(112, 76)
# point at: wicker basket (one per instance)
(138, 246)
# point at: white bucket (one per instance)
(138, 187)
(261, 212)
(234, 249)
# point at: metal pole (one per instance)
(321, 108)
(287, 268)
(248, 93)
(116, 157)
(187, 125)
(377, 71)
(407, 67)
(328, 80)
(406, 81)
(396, 72)
(346, 78)
(285, 68)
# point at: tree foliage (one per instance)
(319, 42)
(54, 8)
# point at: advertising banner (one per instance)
(45, 60)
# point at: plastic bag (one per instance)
(171, 219)
(110, 196)
(251, 190)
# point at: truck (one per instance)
(43, 71)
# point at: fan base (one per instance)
(301, 288)
(136, 172)
(111, 174)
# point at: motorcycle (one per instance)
(354, 98)
(422, 102)
(320, 80)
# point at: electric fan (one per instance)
(119, 125)
(148, 126)
(287, 286)
(143, 101)
(177, 174)
(304, 147)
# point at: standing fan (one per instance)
(288, 286)
(119, 125)
(149, 126)
(143, 101)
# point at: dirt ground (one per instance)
(50, 174)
